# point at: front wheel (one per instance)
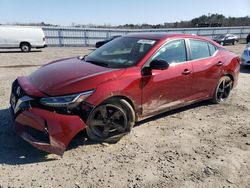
(110, 121)
(223, 90)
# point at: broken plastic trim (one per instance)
(61, 129)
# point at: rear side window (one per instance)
(172, 52)
(199, 49)
(212, 48)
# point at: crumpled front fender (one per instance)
(60, 129)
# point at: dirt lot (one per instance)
(202, 145)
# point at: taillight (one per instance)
(44, 39)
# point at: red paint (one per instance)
(61, 128)
(70, 76)
(29, 88)
(161, 91)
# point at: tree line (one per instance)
(210, 20)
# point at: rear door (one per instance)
(207, 67)
(167, 88)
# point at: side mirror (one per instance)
(159, 64)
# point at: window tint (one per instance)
(199, 49)
(212, 48)
(172, 52)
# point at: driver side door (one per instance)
(163, 89)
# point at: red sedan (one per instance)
(124, 81)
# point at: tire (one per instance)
(110, 121)
(25, 47)
(222, 90)
(234, 42)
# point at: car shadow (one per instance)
(81, 139)
(242, 42)
(17, 51)
(14, 150)
(244, 69)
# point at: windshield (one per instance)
(121, 52)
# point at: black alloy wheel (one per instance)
(223, 90)
(109, 122)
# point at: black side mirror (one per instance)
(159, 64)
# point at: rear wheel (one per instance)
(223, 90)
(110, 121)
(25, 47)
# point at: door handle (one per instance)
(186, 72)
(219, 64)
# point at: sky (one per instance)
(116, 12)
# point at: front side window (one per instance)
(172, 52)
(121, 52)
(199, 49)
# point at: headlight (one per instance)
(69, 101)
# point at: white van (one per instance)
(24, 38)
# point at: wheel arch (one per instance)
(225, 74)
(24, 42)
(124, 103)
(230, 76)
(121, 97)
(127, 99)
(130, 101)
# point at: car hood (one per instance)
(69, 76)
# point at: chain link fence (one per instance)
(70, 36)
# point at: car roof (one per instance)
(162, 36)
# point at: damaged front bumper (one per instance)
(48, 131)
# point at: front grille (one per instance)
(16, 92)
(19, 100)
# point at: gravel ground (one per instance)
(202, 145)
